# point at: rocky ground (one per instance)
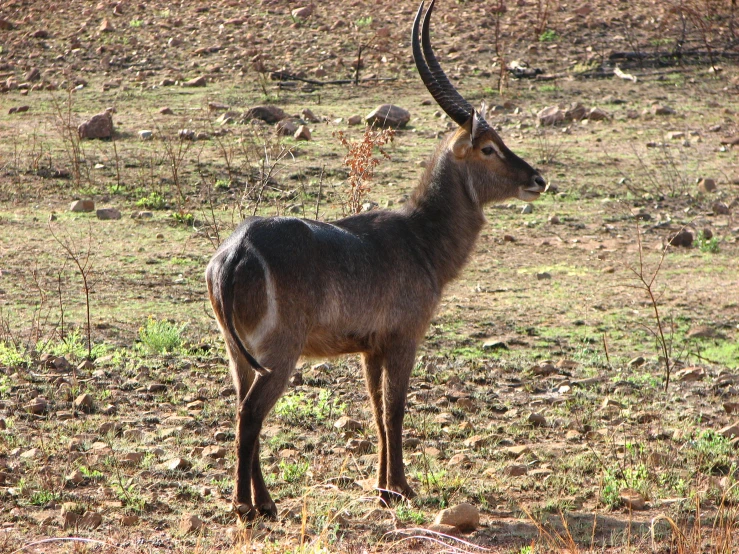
(538, 412)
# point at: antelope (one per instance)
(283, 287)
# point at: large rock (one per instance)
(388, 115)
(464, 517)
(99, 126)
(268, 113)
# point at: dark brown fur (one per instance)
(282, 288)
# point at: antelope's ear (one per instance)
(462, 143)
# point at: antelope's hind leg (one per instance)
(257, 395)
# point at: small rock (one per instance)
(730, 431)
(550, 116)
(196, 82)
(720, 208)
(303, 12)
(309, 116)
(85, 365)
(269, 114)
(632, 499)
(30, 454)
(99, 126)
(83, 402)
(459, 460)
(516, 451)
(166, 111)
(132, 458)
(37, 406)
(553, 219)
(675, 135)
(214, 452)
(543, 276)
(6, 25)
(576, 112)
(464, 517)
(217, 107)
(146, 134)
(388, 115)
(106, 26)
(684, 238)
(303, 133)
(544, 369)
(76, 477)
(527, 208)
(516, 470)
(598, 114)
(18, 109)
(658, 109)
(287, 127)
(691, 374)
(176, 464)
(190, 524)
(731, 407)
(537, 420)
(355, 120)
(345, 423)
(494, 345)
(82, 206)
(359, 446)
(637, 362)
(90, 520)
(108, 214)
(130, 520)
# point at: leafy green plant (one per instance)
(299, 409)
(161, 336)
(153, 201)
(707, 245)
(713, 452)
(408, 514)
(292, 472)
(43, 497)
(617, 479)
(11, 355)
(549, 35)
(135, 23)
(185, 218)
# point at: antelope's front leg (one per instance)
(396, 375)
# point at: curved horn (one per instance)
(436, 81)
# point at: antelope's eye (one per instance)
(488, 150)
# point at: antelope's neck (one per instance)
(446, 219)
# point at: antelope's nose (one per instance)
(538, 184)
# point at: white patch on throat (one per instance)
(470, 186)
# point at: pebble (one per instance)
(146, 134)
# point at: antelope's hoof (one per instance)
(267, 510)
(244, 511)
(396, 495)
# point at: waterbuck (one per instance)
(283, 287)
